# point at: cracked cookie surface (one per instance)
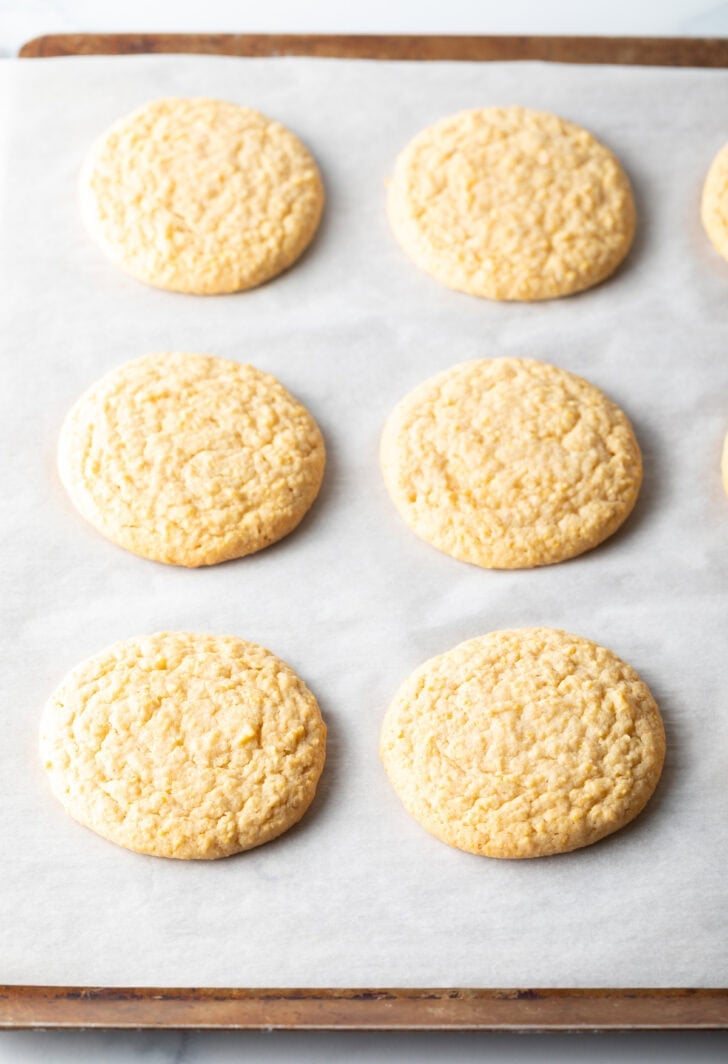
(184, 745)
(510, 463)
(511, 204)
(523, 743)
(190, 459)
(201, 196)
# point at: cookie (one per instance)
(190, 459)
(184, 745)
(523, 743)
(724, 464)
(511, 204)
(714, 204)
(202, 196)
(510, 463)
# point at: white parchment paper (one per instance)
(359, 894)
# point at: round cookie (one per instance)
(511, 204)
(203, 196)
(510, 463)
(714, 204)
(190, 459)
(523, 743)
(184, 745)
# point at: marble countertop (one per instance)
(281, 1047)
(22, 19)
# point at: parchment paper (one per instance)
(359, 894)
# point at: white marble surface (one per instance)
(280, 1047)
(22, 19)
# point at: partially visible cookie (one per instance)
(724, 464)
(510, 463)
(184, 745)
(511, 204)
(201, 196)
(190, 459)
(523, 743)
(714, 205)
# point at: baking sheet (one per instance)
(358, 893)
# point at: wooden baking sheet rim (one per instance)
(375, 1009)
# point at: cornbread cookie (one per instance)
(523, 743)
(202, 196)
(510, 463)
(511, 203)
(184, 745)
(190, 459)
(714, 205)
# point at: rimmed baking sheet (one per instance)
(359, 894)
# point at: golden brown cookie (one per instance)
(523, 743)
(510, 463)
(184, 745)
(201, 196)
(190, 459)
(511, 204)
(714, 205)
